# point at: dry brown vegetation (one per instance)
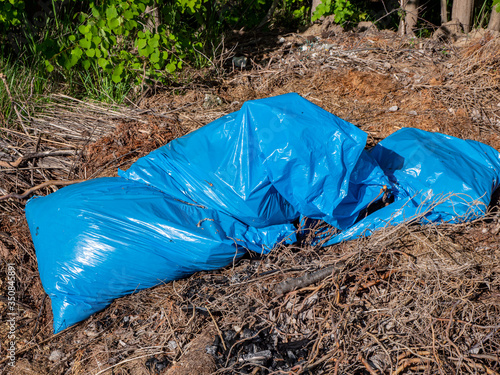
(408, 300)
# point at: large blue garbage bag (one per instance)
(108, 237)
(238, 184)
(198, 202)
(272, 160)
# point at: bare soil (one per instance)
(408, 300)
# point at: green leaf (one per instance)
(102, 62)
(130, 25)
(96, 40)
(84, 43)
(98, 53)
(86, 64)
(49, 66)
(149, 49)
(141, 43)
(82, 29)
(128, 14)
(72, 61)
(77, 52)
(111, 12)
(90, 52)
(113, 23)
(72, 38)
(153, 43)
(143, 52)
(171, 68)
(155, 57)
(95, 12)
(117, 73)
(141, 34)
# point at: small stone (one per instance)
(236, 329)
(394, 108)
(365, 25)
(326, 46)
(56, 356)
(240, 61)
(172, 345)
(211, 100)
(387, 65)
(281, 40)
(413, 113)
(212, 350)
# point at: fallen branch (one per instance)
(41, 186)
(306, 280)
(36, 155)
(367, 365)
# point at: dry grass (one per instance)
(408, 300)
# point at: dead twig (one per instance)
(36, 155)
(368, 367)
(41, 186)
(306, 280)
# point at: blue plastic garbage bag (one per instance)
(267, 163)
(109, 237)
(239, 183)
(242, 179)
(434, 178)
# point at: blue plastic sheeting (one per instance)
(268, 163)
(239, 183)
(109, 237)
(434, 178)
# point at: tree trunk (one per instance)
(315, 3)
(154, 19)
(408, 23)
(462, 11)
(494, 23)
(444, 12)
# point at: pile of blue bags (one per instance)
(239, 184)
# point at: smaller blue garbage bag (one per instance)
(434, 178)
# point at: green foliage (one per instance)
(10, 13)
(121, 40)
(98, 45)
(343, 10)
(24, 81)
(496, 5)
(293, 13)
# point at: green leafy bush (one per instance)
(343, 10)
(10, 13)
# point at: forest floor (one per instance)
(408, 300)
